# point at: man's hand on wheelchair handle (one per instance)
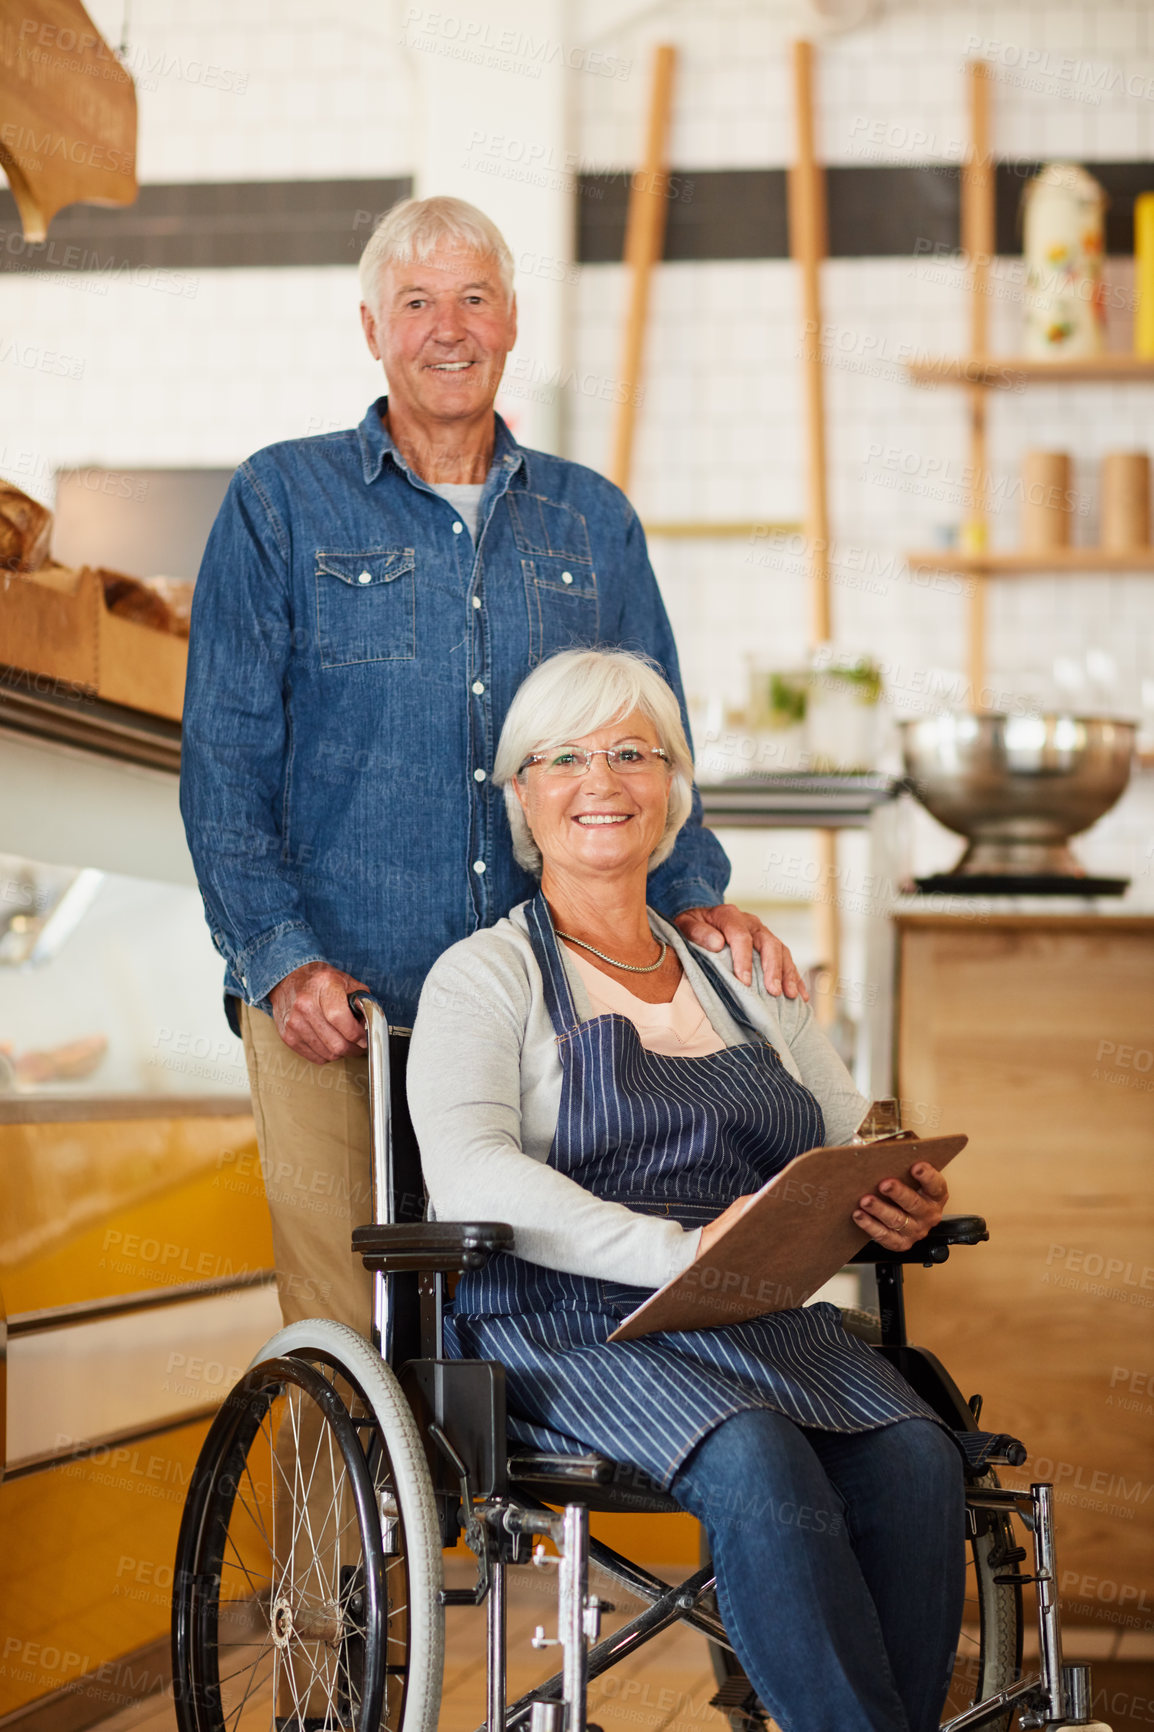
(310, 1008)
(901, 1214)
(714, 928)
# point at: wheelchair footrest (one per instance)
(738, 1698)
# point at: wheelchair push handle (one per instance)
(360, 998)
(366, 1009)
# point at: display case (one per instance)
(136, 1264)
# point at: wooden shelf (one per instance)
(747, 530)
(60, 711)
(798, 799)
(1011, 372)
(1057, 559)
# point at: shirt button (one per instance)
(479, 868)
(478, 775)
(365, 577)
(566, 577)
(478, 687)
(457, 528)
(477, 602)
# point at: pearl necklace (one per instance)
(632, 967)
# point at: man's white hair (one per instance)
(575, 693)
(414, 230)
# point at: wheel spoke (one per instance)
(253, 1509)
(245, 1671)
(252, 1579)
(282, 1566)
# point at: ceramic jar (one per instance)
(1063, 234)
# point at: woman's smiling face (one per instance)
(601, 821)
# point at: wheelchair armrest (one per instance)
(935, 1247)
(958, 1230)
(432, 1247)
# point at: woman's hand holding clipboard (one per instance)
(773, 1251)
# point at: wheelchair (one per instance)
(308, 1587)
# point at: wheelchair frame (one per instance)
(417, 1453)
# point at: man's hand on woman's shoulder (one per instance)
(714, 928)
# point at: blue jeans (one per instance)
(840, 1562)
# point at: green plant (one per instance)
(788, 697)
(864, 676)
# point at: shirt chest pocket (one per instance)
(557, 566)
(561, 595)
(366, 606)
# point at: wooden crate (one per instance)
(55, 624)
(48, 625)
(137, 666)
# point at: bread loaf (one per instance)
(25, 530)
(161, 603)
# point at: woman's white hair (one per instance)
(412, 232)
(575, 693)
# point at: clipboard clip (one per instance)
(883, 1124)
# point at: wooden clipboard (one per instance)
(797, 1233)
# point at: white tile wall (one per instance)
(1070, 81)
(266, 89)
(180, 369)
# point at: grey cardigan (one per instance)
(484, 1085)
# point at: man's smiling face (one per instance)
(443, 331)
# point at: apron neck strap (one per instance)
(558, 995)
(723, 987)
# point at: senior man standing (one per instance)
(368, 603)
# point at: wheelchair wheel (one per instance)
(308, 1570)
(989, 1656)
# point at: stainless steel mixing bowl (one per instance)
(1018, 786)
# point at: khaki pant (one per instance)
(312, 1128)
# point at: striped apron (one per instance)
(681, 1138)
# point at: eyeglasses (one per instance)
(574, 760)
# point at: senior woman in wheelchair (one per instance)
(617, 1095)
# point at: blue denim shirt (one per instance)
(351, 663)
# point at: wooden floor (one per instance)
(667, 1685)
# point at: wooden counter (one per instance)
(96, 1210)
(1035, 1034)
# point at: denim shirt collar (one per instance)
(377, 443)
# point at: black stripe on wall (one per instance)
(875, 211)
(205, 225)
